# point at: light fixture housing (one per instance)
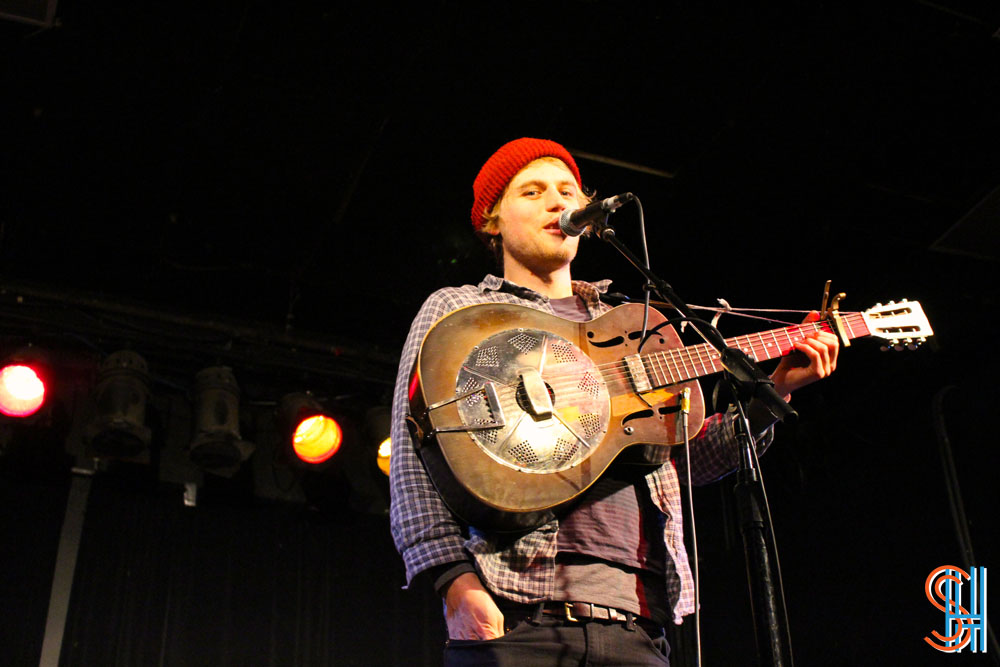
(118, 427)
(217, 446)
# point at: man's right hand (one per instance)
(470, 610)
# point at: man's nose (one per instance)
(553, 200)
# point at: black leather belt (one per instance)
(577, 612)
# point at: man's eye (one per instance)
(530, 193)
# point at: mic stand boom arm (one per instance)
(748, 381)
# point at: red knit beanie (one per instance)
(504, 165)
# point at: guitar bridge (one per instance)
(637, 373)
(492, 401)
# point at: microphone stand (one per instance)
(748, 381)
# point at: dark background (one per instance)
(277, 186)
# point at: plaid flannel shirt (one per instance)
(522, 568)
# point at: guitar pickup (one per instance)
(637, 373)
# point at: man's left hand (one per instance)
(815, 358)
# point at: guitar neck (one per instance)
(694, 361)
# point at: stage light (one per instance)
(315, 435)
(382, 458)
(317, 438)
(377, 427)
(217, 445)
(118, 427)
(22, 391)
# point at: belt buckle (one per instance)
(569, 612)
(568, 607)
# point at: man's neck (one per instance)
(555, 285)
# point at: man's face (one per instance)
(529, 217)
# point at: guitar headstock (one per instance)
(903, 324)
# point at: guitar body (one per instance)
(517, 412)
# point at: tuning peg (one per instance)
(883, 348)
(912, 346)
(898, 347)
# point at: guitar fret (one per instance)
(649, 365)
(777, 345)
(747, 347)
(686, 370)
(713, 358)
(692, 360)
(847, 325)
(661, 363)
(677, 374)
(668, 375)
(863, 324)
(656, 365)
(760, 350)
(671, 366)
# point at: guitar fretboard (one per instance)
(686, 363)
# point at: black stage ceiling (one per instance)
(312, 163)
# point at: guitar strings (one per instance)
(671, 363)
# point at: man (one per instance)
(617, 558)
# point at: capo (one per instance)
(826, 300)
(833, 313)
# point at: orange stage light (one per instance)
(317, 438)
(22, 392)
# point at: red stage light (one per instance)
(317, 438)
(21, 391)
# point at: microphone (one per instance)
(572, 223)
